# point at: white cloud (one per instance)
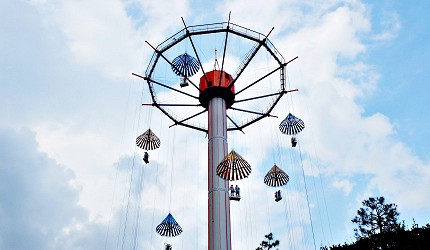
(344, 185)
(99, 34)
(390, 26)
(37, 199)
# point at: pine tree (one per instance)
(269, 243)
(376, 217)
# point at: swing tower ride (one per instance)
(216, 93)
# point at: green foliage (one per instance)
(418, 238)
(269, 243)
(376, 217)
(379, 229)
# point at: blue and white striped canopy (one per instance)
(291, 125)
(169, 227)
(185, 65)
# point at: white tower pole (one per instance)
(219, 228)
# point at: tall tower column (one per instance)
(219, 228)
(217, 96)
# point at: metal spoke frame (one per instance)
(188, 32)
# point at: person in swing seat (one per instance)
(231, 191)
(293, 141)
(237, 189)
(278, 196)
(146, 157)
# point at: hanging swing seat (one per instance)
(293, 141)
(146, 157)
(234, 198)
(278, 196)
(184, 83)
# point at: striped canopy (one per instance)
(276, 177)
(169, 227)
(185, 65)
(291, 125)
(148, 140)
(233, 167)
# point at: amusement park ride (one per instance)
(237, 92)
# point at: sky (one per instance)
(71, 176)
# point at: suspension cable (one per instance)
(290, 103)
(118, 166)
(136, 228)
(132, 173)
(307, 197)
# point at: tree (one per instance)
(269, 243)
(376, 217)
(418, 238)
(379, 229)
